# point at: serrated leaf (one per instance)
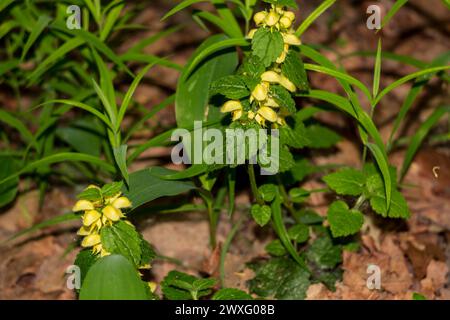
(294, 137)
(275, 248)
(299, 233)
(324, 254)
(397, 209)
(267, 192)
(252, 67)
(85, 260)
(281, 278)
(343, 221)
(283, 98)
(232, 87)
(173, 292)
(203, 284)
(91, 194)
(147, 252)
(321, 137)
(231, 294)
(346, 181)
(267, 45)
(287, 3)
(122, 238)
(293, 69)
(261, 214)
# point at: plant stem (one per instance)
(254, 187)
(364, 155)
(359, 202)
(207, 198)
(286, 201)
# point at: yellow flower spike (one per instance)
(251, 33)
(121, 203)
(83, 231)
(260, 120)
(285, 82)
(237, 114)
(271, 76)
(231, 106)
(291, 39)
(285, 22)
(82, 205)
(91, 240)
(260, 92)
(259, 17)
(272, 18)
(112, 213)
(289, 15)
(270, 102)
(251, 115)
(90, 217)
(268, 114)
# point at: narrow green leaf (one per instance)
(120, 155)
(392, 11)
(377, 71)
(41, 24)
(313, 16)
(384, 168)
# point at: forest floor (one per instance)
(414, 255)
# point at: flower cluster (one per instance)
(280, 20)
(98, 214)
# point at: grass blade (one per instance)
(313, 16)
(384, 168)
(182, 5)
(377, 70)
(397, 5)
(41, 24)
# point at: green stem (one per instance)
(286, 201)
(364, 155)
(359, 202)
(207, 198)
(254, 187)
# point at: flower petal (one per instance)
(112, 213)
(91, 217)
(231, 106)
(83, 205)
(122, 202)
(91, 240)
(268, 114)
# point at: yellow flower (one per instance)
(285, 82)
(231, 106)
(260, 92)
(251, 33)
(83, 231)
(270, 76)
(91, 240)
(291, 39)
(237, 114)
(83, 205)
(260, 120)
(112, 213)
(121, 203)
(251, 114)
(259, 17)
(152, 286)
(268, 114)
(90, 217)
(270, 102)
(271, 19)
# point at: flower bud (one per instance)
(268, 114)
(121, 202)
(112, 213)
(231, 106)
(251, 33)
(259, 17)
(289, 15)
(83, 231)
(237, 114)
(285, 22)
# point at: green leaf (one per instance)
(85, 260)
(192, 100)
(392, 11)
(231, 294)
(398, 206)
(261, 214)
(419, 136)
(343, 221)
(267, 45)
(16, 123)
(40, 25)
(377, 71)
(299, 233)
(148, 253)
(418, 296)
(120, 155)
(182, 5)
(181, 286)
(275, 248)
(113, 278)
(232, 87)
(320, 136)
(147, 185)
(83, 136)
(90, 194)
(294, 137)
(313, 16)
(287, 3)
(294, 70)
(324, 254)
(384, 168)
(346, 181)
(122, 238)
(283, 98)
(298, 195)
(8, 190)
(267, 192)
(280, 278)
(112, 189)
